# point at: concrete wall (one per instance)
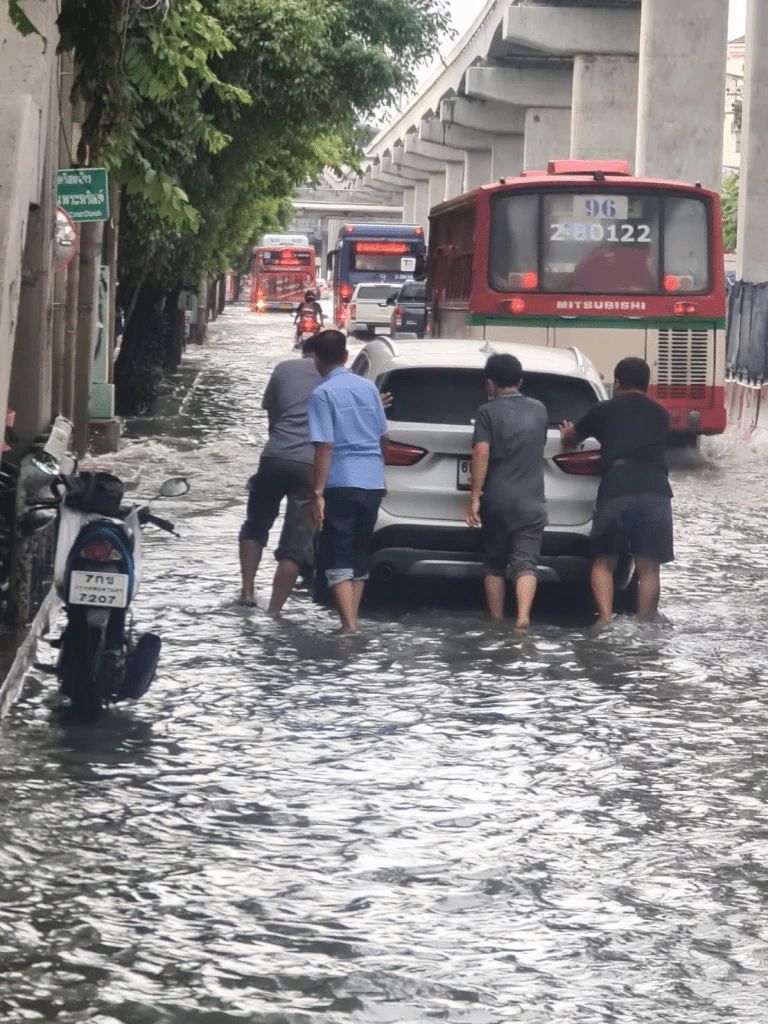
(29, 123)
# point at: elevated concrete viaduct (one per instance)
(532, 80)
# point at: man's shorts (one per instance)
(633, 524)
(348, 525)
(511, 538)
(275, 480)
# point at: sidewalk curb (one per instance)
(10, 687)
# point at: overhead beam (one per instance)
(522, 87)
(573, 30)
(480, 115)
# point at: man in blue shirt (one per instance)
(348, 429)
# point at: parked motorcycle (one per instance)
(306, 328)
(97, 572)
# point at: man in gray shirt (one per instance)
(285, 470)
(507, 498)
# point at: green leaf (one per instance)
(21, 22)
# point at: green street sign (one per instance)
(82, 193)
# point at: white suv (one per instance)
(437, 387)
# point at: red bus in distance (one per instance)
(280, 275)
(585, 255)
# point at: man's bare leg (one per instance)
(648, 587)
(601, 579)
(525, 590)
(286, 574)
(250, 557)
(495, 592)
(358, 586)
(346, 602)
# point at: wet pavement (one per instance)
(428, 821)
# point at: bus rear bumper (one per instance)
(696, 413)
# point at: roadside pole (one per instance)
(91, 235)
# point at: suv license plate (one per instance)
(98, 589)
(463, 475)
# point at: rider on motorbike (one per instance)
(309, 308)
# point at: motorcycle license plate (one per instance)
(463, 475)
(98, 589)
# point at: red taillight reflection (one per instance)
(684, 308)
(97, 551)
(578, 463)
(399, 454)
(345, 291)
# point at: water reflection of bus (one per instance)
(282, 269)
(386, 253)
(585, 255)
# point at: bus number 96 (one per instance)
(597, 208)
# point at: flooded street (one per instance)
(428, 821)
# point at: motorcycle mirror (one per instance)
(174, 487)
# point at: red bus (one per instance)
(281, 273)
(585, 255)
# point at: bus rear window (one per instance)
(588, 243)
(380, 256)
(451, 395)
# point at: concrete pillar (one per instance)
(477, 168)
(752, 257)
(454, 180)
(436, 188)
(547, 137)
(681, 91)
(506, 156)
(421, 205)
(604, 108)
(409, 201)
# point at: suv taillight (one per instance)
(397, 321)
(399, 454)
(578, 463)
(352, 310)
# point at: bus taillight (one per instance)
(516, 305)
(684, 308)
(527, 280)
(670, 283)
(345, 291)
(578, 463)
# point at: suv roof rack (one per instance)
(577, 355)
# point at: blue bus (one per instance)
(388, 253)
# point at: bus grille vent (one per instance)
(682, 369)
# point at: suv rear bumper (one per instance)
(441, 552)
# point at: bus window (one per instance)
(686, 244)
(605, 245)
(514, 253)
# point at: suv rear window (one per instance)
(376, 291)
(453, 395)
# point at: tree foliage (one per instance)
(211, 113)
(730, 203)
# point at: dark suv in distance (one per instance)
(409, 315)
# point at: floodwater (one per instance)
(429, 821)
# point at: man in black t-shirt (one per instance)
(633, 512)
